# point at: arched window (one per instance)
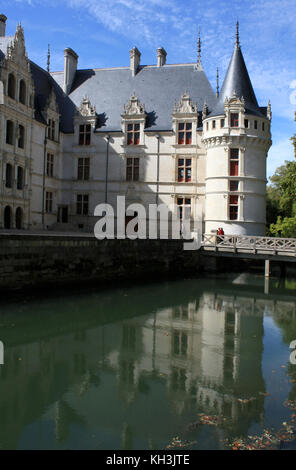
(8, 176)
(20, 177)
(21, 137)
(9, 132)
(11, 86)
(19, 218)
(22, 92)
(7, 217)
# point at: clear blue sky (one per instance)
(103, 31)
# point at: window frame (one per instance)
(49, 202)
(187, 132)
(132, 169)
(84, 134)
(185, 167)
(133, 133)
(82, 205)
(83, 168)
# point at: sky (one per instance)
(103, 31)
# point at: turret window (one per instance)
(233, 207)
(214, 125)
(234, 120)
(222, 123)
(234, 162)
(246, 123)
(184, 170)
(184, 133)
(255, 124)
(233, 185)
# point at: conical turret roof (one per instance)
(237, 80)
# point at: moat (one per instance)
(192, 364)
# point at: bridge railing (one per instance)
(250, 243)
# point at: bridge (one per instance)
(246, 246)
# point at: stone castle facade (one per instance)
(70, 140)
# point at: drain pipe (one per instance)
(157, 174)
(107, 166)
(43, 180)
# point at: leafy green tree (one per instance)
(281, 201)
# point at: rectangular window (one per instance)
(184, 207)
(132, 169)
(84, 134)
(255, 124)
(83, 168)
(222, 123)
(49, 164)
(214, 125)
(207, 126)
(233, 185)
(9, 132)
(133, 133)
(234, 162)
(180, 343)
(184, 133)
(263, 126)
(234, 120)
(8, 175)
(246, 123)
(184, 170)
(233, 207)
(82, 204)
(51, 129)
(48, 201)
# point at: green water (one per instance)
(132, 367)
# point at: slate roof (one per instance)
(237, 79)
(158, 88)
(4, 42)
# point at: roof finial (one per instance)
(237, 34)
(217, 87)
(48, 58)
(199, 48)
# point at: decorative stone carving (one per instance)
(86, 109)
(134, 107)
(16, 51)
(205, 111)
(185, 105)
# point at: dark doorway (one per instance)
(19, 218)
(7, 217)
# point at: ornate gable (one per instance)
(235, 103)
(86, 109)
(16, 51)
(134, 107)
(185, 105)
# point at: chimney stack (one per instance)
(161, 56)
(3, 19)
(70, 67)
(135, 56)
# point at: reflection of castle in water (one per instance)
(140, 377)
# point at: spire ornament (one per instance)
(237, 35)
(48, 58)
(199, 48)
(217, 84)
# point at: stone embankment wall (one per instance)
(48, 260)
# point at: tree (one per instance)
(281, 201)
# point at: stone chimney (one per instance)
(3, 19)
(70, 67)
(161, 56)
(135, 56)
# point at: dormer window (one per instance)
(51, 129)
(133, 133)
(84, 134)
(184, 133)
(234, 120)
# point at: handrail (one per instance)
(254, 243)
